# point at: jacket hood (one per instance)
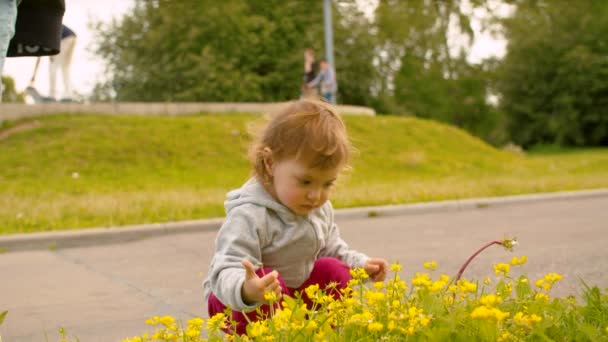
(253, 192)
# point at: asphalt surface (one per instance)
(106, 292)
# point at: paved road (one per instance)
(105, 293)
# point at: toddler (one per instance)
(279, 233)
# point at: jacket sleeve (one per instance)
(338, 248)
(316, 80)
(238, 238)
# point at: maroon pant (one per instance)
(324, 272)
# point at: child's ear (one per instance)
(268, 162)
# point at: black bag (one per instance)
(38, 28)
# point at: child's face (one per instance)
(301, 188)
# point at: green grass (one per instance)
(134, 169)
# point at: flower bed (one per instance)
(429, 307)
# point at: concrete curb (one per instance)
(15, 111)
(110, 235)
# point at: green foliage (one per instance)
(425, 308)
(554, 79)
(252, 51)
(210, 51)
(9, 93)
(66, 172)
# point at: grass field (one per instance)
(78, 171)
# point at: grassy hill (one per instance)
(76, 171)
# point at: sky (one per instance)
(87, 69)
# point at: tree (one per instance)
(196, 50)
(554, 79)
(426, 74)
(9, 93)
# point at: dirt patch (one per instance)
(19, 128)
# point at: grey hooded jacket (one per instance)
(267, 233)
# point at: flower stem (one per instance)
(461, 271)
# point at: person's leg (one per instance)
(53, 66)
(65, 61)
(214, 306)
(325, 272)
(329, 97)
(8, 16)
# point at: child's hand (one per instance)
(376, 269)
(254, 287)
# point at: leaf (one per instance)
(2, 316)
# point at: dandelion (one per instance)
(509, 244)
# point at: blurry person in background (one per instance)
(327, 79)
(311, 67)
(30, 28)
(62, 62)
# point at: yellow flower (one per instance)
(515, 261)
(312, 291)
(430, 265)
(270, 296)
(466, 286)
(421, 280)
(311, 326)
(424, 321)
(526, 320)
(359, 274)
(153, 321)
(481, 312)
(541, 296)
(500, 315)
(196, 322)
(553, 277)
(505, 337)
(487, 281)
(375, 326)
(217, 322)
(501, 268)
(490, 300)
(395, 267)
(257, 329)
(379, 285)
